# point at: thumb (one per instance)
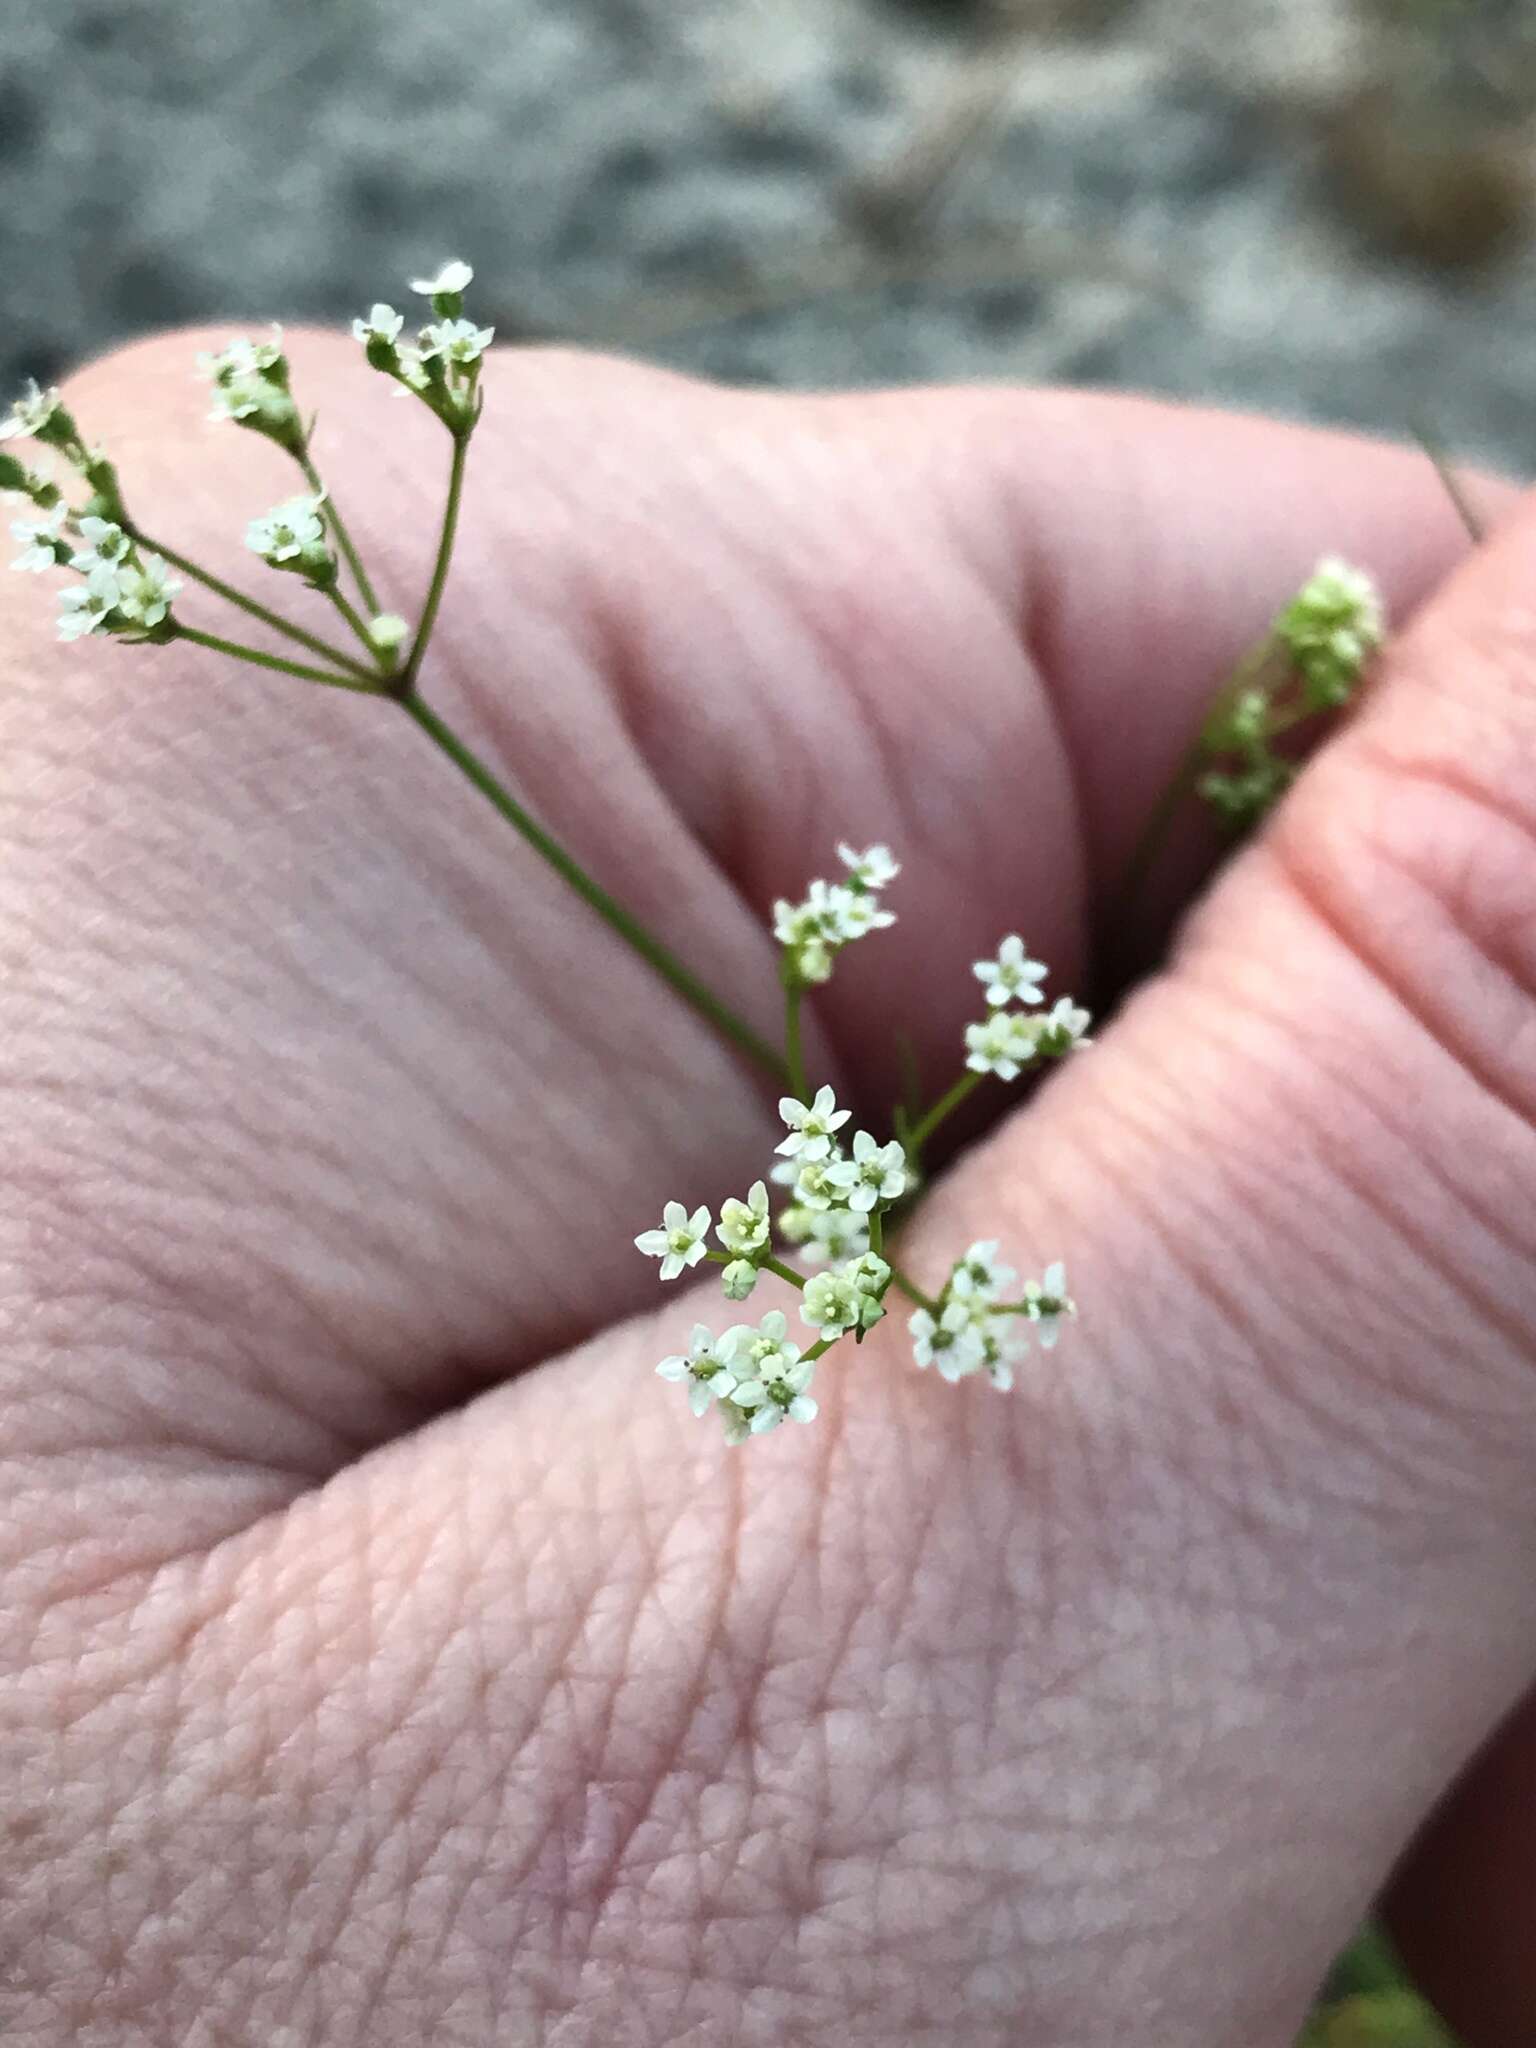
(1296, 1186)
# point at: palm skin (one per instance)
(390, 1657)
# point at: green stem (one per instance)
(634, 934)
(237, 652)
(419, 645)
(911, 1289)
(946, 1105)
(1149, 843)
(794, 1055)
(343, 537)
(246, 604)
(773, 1265)
(354, 619)
(876, 1231)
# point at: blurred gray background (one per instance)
(1321, 207)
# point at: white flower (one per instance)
(847, 1299)
(1012, 976)
(287, 531)
(738, 1279)
(1004, 1344)
(811, 1127)
(453, 278)
(383, 324)
(105, 541)
(762, 1350)
(679, 1243)
(388, 632)
(784, 1173)
(31, 412)
(833, 1236)
(875, 1174)
(147, 589)
(979, 1276)
(819, 1184)
(856, 914)
(1048, 1302)
(86, 607)
(743, 1226)
(872, 868)
(706, 1368)
(37, 537)
(456, 341)
(775, 1380)
(1061, 1029)
(949, 1340)
(243, 359)
(1003, 1045)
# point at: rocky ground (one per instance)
(1302, 205)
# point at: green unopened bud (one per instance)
(13, 475)
(388, 632)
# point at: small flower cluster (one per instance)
(1007, 1041)
(122, 592)
(833, 914)
(293, 536)
(1312, 662)
(441, 366)
(844, 1185)
(1330, 628)
(250, 382)
(969, 1329)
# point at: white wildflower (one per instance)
(774, 1379)
(1004, 1045)
(857, 914)
(1004, 1342)
(1012, 976)
(105, 541)
(979, 1276)
(88, 607)
(1048, 1302)
(875, 1174)
(383, 324)
(833, 1236)
(452, 279)
(706, 1369)
(871, 869)
(288, 531)
(743, 1227)
(456, 341)
(819, 1184)
(679, 1243)
(738, 1279)
(949, 1340)
(847, 1298)
(811, 1126)
(1061, 1029)
(147, 589)
(31, 413)
(38, 536)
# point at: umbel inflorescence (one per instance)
(838, 1191)
(841, 1187)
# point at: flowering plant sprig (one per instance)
(1307, 667)
(846, 1187)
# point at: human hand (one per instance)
(388, 1658)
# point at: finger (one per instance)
(301, 1033)
(1460, 1906)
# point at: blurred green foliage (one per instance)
(1369, 2003)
